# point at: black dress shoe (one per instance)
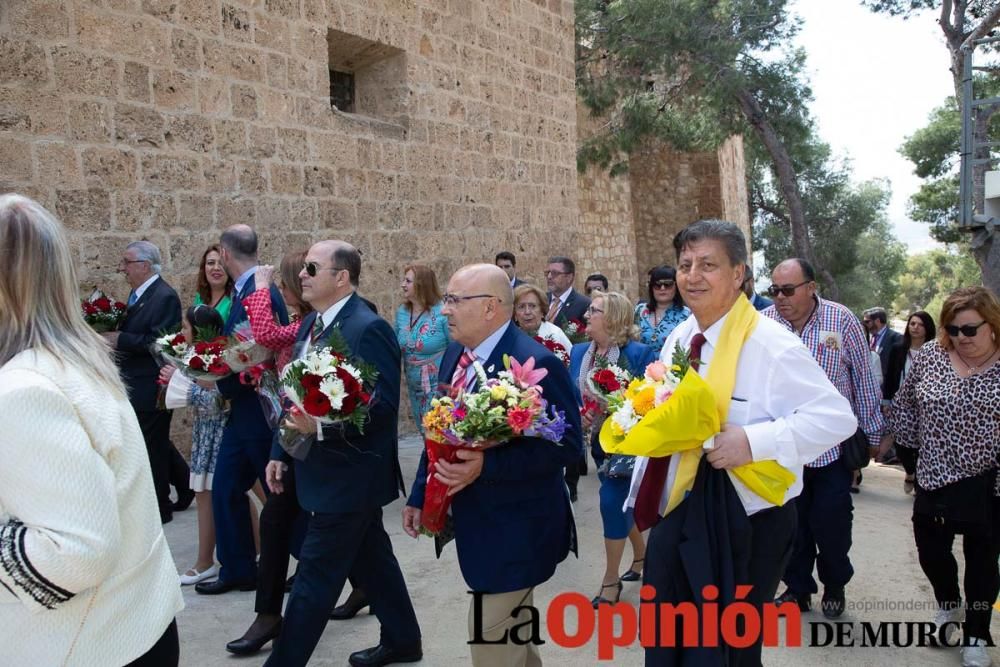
(219, 586)
(833, 602)
(184, 499)
(385, 655)
(804, 600)
(250, 645)
(355, 603)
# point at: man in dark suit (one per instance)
(511, 509)
(565, 303)
(246, 439)
(883, 339)
(346, 479)
(153, 307)
(508, 262)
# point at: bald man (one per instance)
(511, 508)
(346, 479)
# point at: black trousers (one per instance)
(277, 522)
(771, 545)
(166, 652)
(155, 427)
(981, 548)
(338, 545)
(823, 538)
(180, 472)
(908, 457)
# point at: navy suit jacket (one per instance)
(514, 523)
(158, 310)
(246, 416)
(637, 357)
(574, 309)
(349, 471)
(890, 339)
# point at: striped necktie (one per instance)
(647, 500)
(317, 329)
(459, 381)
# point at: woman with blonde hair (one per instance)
(422, 334)
(948, 409)
(87, 577)
(610, 323)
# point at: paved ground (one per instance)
(883, 553)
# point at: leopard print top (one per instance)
(954, 421)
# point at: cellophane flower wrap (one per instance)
(329, 386)
(242, 353)
(201, 359)
(102, 313)
(555, 347)
(501, 408)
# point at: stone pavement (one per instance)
(883, 555)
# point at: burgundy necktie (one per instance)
(647, 501)
(458, 379)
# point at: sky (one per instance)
(875, 79)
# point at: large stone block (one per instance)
(185, 49)
(173, 89)
(171, 172)
(22, 62)
(110, 167)
(190, 132)
(244, 101)
(15, 159)
(84, 210)
(286, 179)
(139, 126)
(42, 19)
(235, 62)
(230, 137)
(57, 165)
(141, 211)
(236, 23)
(235, 211)
(201, 15)
(78, 72)
(135, 82)
(251, 177)
(320, 181)
(272, 32)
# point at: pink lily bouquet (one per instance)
(505, 407)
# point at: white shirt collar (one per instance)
(145, 286)
(485, 349)
(242, 280)
(565, 295)
(330, 314)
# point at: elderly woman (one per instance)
(949, 409)
(86, 577)
(663, 309)
(609, 323)
(919, 329)
(530, 306)
(422, 333)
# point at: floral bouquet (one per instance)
(575, 329)
(505, 407)
(201, 359)
(555, 347)
(102, 313)
(242, 353)
(329, 387)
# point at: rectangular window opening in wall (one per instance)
(368, 79)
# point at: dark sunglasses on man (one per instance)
(967, 330)
(787, 290)
(311, 268)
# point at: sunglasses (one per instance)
(663, 284)
(967, 330)
(311, 268)
(787, 290)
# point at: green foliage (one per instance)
(930, 276)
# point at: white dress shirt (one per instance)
(145, 286)
(327, 317)
(787, 406)
(483, 352)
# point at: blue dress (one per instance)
(656, 335)
(209, 421)
(422, 346)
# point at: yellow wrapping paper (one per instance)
(695, 412)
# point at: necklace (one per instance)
(414, 320)
(975, 369)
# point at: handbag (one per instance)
(618, 466)
(855, 451)
(968, 501)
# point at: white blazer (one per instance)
(86, 577)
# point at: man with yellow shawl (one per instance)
(720, 499)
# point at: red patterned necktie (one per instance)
(459, 379)
(647, 501)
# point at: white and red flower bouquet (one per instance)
(103, 313)
(507, 406)
(555, 347)
(201, 359)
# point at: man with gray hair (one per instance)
(153, 307)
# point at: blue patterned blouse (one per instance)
(655, 335)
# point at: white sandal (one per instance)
(189, 579)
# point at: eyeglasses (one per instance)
(311, 268)
(591, 310)
(787, 290)
(526, 307)
(132, 261)
(454, 299)
(967, 330)
(549, 274)
(663, 284)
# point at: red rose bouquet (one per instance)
(555, 347)
(102, 313)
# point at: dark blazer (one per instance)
(889, 340)
(891, 381)
(637, 357)
(158, 310)
(246, 416)
(349, 471)
(574, 309)
(517, 281)
(514, 524)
